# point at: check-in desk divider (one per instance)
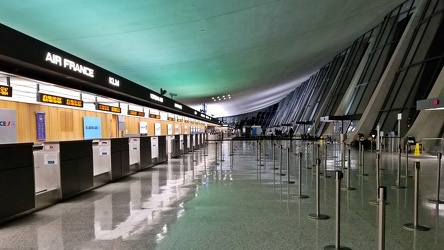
(119, 158)
(185, 144)
(17, 191)
(145, 152)
(163, 153)
(76, 167)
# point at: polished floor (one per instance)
(198, 202)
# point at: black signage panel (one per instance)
(136, 113)
(107, 108)
(53, 99)
(6, 91)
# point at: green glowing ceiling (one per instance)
(255, 50)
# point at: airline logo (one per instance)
(91, 127)
(7, 123)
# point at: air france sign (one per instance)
(68, 64)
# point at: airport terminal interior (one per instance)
(260, 124)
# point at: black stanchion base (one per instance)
(334, 247)
(397, 187)
(301, 196)
(412, 227)
(362, 174)
(281, 174)
(275, 168)
(308, 168)
(318, 216)
(289, 182)
(326, 176)
(434, 201)
(348, 188)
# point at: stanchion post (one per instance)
(337, 245)
(216, 153)
(382, 191)
(318, 215)
(325, 163)
(415, 226)
(378, 179)
(407, 162)
(349, 171)
(280, 161)
(288, 167)
(398, 174)
(437, 201)
(306, 157)
(221, 153)
(317, 158)
(313, 159)
(361, 152)
(300, 195)
(274, 157)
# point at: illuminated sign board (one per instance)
(171, 119)
(187, 121)
(136, 113)
(113, 81)
(154, 116)
(180, 120)
(108, 108)
(177, 106)
(156, 98)
(59, 100)
(5, 91)
(68, 64)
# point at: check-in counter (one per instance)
(48, 188)
(17, 189)
(76, 167)
(145, 152)
(120, 166)
(134, 154)
(101, 161)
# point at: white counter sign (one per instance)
(68, 64)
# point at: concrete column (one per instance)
(376, 102)
(428, 124)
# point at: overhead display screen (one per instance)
(107, 108)
(46, 98)
(5, 91)
(136, 113)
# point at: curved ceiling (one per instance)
(255, 50)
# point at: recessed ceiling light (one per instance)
(229, 97)
(212, 97)
(225, 98)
